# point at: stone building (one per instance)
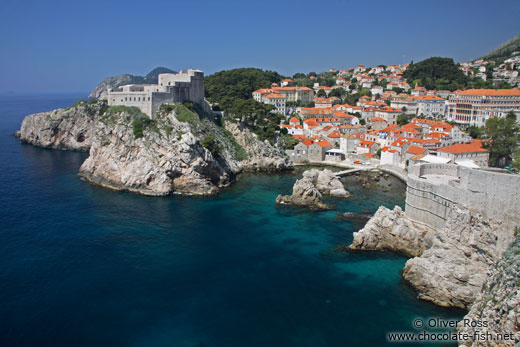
(187, 85)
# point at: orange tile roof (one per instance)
(324, 143)
(275, 96)
(263, 91)
(294, 119)
(367, 144)
(415, 150)
(307, 142)
(472, 147)
(335, 134)
(291, 88)
(491, 92)
(299, 137)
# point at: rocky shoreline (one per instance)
(130, 152)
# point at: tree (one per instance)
(436, 73)
(321, 93)
(403, 119)
(501, 134)
(475, 132)
(339, 92)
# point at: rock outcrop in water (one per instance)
(71, 128)
(498, 304)
(449, 264)
(456, 226)
(308, 190)
(390, 230)
(129, 151)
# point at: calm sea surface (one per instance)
(85, 266)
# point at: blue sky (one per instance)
(70, 46)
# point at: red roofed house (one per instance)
(461, 152)
(390, 156)
(294, 121)
(300, 153)
(411, 150)
(367, 147)
(389, 114)
(317, 150)
(378, 123)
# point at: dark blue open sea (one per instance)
(85, 266)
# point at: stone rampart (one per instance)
(433, 190)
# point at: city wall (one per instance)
(433, 189)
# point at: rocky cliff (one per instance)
(176, 152)
(450, 264)
(497, 305)
(71, 128)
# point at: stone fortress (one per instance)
(434, 189)
(187, 85)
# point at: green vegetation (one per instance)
(502, 135)
(289, 141)
(76, 104)
(184, 114)
(139, 124)
(403, 119)
(238, 83)
(211, 145)
(436, 73)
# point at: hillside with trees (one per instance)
(505, 49)
(238, 83)
(436, 73)
(232, 91)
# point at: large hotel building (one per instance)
(476, 106)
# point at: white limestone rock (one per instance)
(68, 129)
(304, 194)
(391, 230)
(168, 157)
(450, 264)
(308, 190)
(262, 156)
(498, 304)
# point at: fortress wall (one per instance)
(159, 99)
(136, 99)
(495, 195)
(427, 202)
(429, 199)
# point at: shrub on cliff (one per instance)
(211, 145)
(139, 124)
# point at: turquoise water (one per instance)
(85, 266)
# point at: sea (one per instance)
(81, 265)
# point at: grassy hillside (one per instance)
(505, 49)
